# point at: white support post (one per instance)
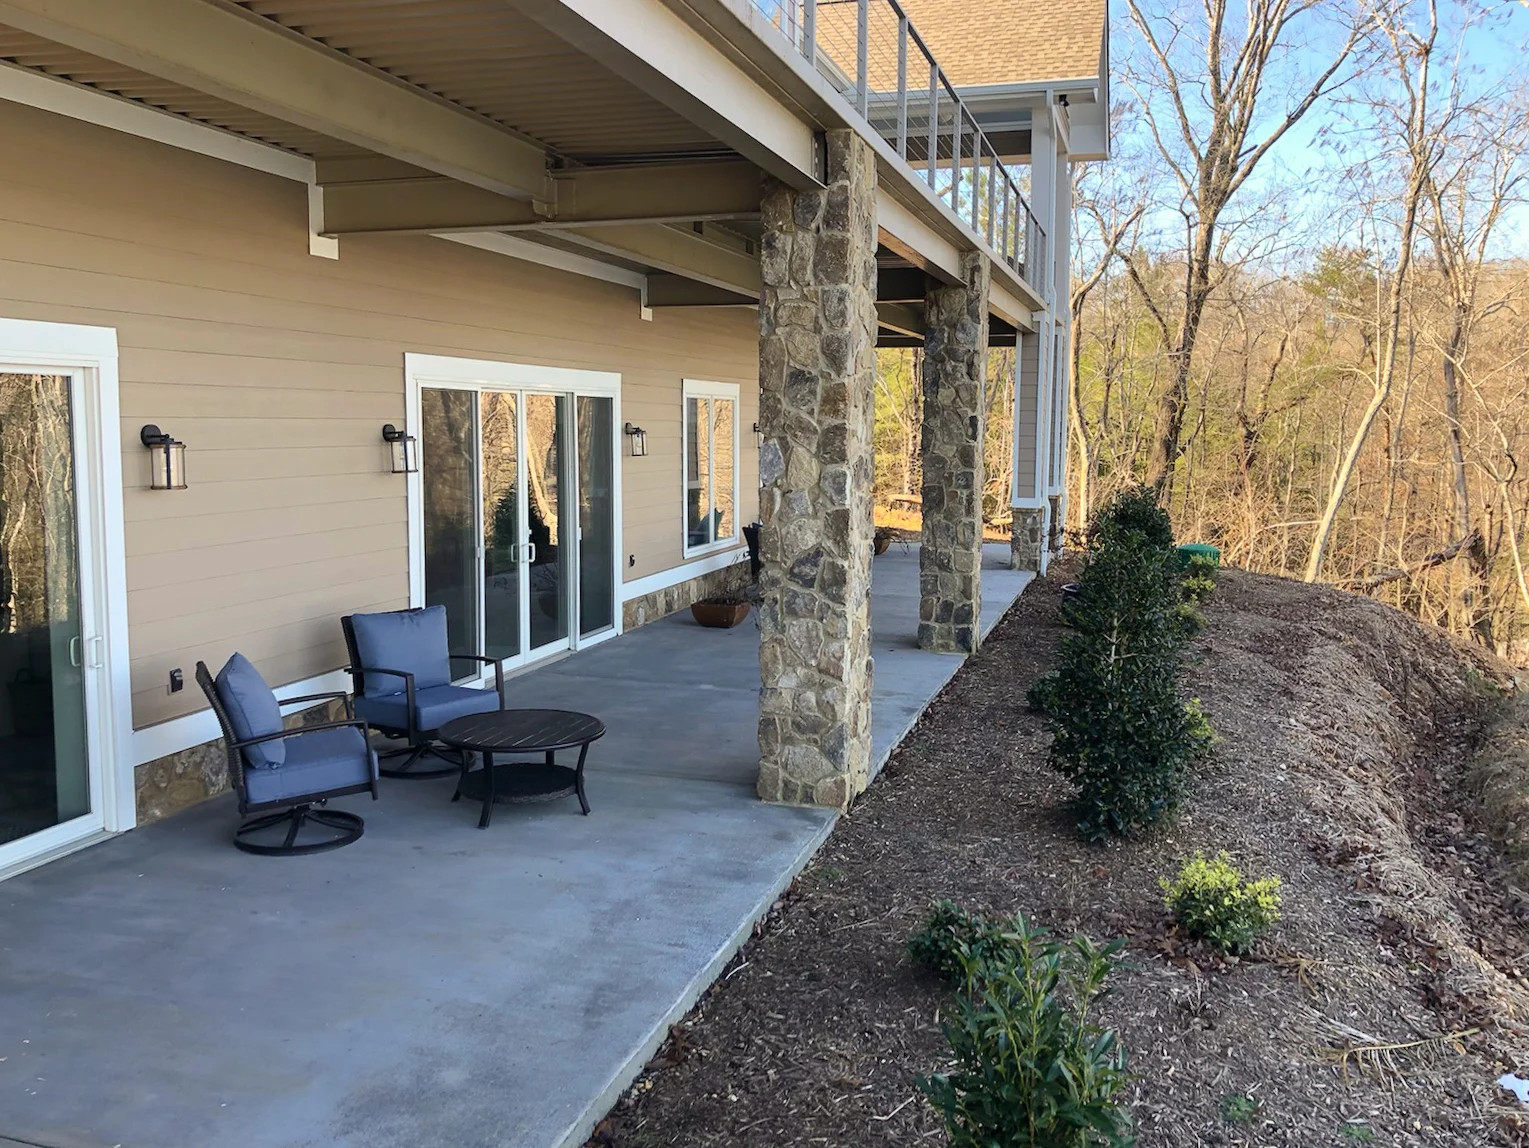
(1043, 186)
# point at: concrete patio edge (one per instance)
(583, 1126)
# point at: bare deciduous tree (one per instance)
(1203, 106)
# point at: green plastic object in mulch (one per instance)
(1201, 549)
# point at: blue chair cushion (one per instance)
(317, 762)
(433, 707)
(253, 710)
(410, 640)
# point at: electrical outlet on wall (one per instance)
(177, 680)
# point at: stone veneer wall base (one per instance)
(1028, 542)
(730, 580)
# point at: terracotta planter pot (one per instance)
(719, 613)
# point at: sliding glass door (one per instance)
(517, 500)
(46, 778)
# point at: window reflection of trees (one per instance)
(39, 579)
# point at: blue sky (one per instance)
(1304, 180)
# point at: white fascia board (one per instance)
(542, 255)
(1010, 308)
(648, 44)
(65, 98)
(911, 232)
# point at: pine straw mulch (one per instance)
(1382, 1008)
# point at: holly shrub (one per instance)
(1121, 734)
(1135, 509)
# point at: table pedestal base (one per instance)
(520, 782)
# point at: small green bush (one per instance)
(1188, 621)
(952, 943)
(1213, 901)
(1031, 1069)
(1239, 1108)
(1135, 509)
(1197, 588)
(1202, 736)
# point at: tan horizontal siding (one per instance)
(278, 369)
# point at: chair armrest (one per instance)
(407, 676)
(499, 671)
(408, 686)
(497, 663)
(300, 730)
(330, 696)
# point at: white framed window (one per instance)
(710, 465)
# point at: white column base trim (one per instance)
(677, 574)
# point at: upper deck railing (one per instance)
(873, 55)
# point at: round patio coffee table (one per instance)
(503, 732)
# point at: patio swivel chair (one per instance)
(293, 772)
(400, 671)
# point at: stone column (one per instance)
(1028, 543)
(954, 430)
(817, 366)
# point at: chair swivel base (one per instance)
(416, 754)
(338, 828)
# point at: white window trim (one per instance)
(93, 351)
(704, 389)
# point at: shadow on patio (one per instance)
(431, 984)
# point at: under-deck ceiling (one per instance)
(37, 54)
(482, 55)
(487, 56)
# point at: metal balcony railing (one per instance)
(873, 55)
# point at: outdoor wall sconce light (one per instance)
(759, 436)
(638, 438)
(167, 459)
(405, 458)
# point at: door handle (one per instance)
(76, 647)
(530, 554)
(97, 645)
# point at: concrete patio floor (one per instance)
(431, 986)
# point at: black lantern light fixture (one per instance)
(167, 459)
(638, 438)
(405, 458)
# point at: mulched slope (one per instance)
(1345, 727)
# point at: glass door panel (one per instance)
(546, 521)
(503, 538)
(597, 518)
(45, 777)
(449, 470)
(723, 435)
(698, 520)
